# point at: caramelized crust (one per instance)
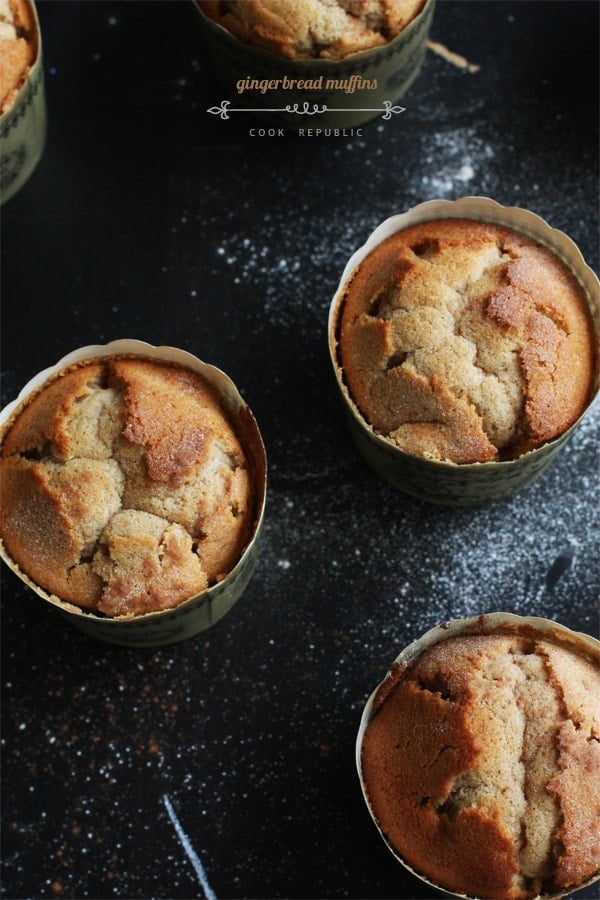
(124, 488)
(301, 29)
(467, 342)
(481, 764)
(18, 48)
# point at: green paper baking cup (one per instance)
(203, 610)
(449, 786)
(441, 482)
(23, 126)
(339, 93)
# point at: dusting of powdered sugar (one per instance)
(456, 159)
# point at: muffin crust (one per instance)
(18, 48)
(124, 488)
(302, 29)
(466, 341)
(481, 764)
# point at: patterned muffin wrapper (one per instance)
(23, 128)
(392, 67)
(441, 482)
(532, 627)
(205, 609)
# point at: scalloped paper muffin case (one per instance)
(316, 94)
(464, 341)
(479, 758)
(133, 484)
(22, 96)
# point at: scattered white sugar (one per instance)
(456, 158)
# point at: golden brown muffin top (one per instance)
(481, 764)
(302, 29)
(18, 48)
(124, 487)
(466, 341)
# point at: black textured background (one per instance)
(150, 218)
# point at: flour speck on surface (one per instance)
(454, 160)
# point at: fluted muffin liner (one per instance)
(393, 66)
(488, 623)
(438, 481)
(203, 610)
(23, 127)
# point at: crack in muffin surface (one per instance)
(486, 748)
(125, 487)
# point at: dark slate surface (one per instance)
(224, 766)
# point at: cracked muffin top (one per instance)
(18, 48)
(466, 341)
(304, 29)
(124, 488)
(481, 763)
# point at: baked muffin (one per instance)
(466, 342)
(314, 29)
(18, 48)
(481, 765)
(124, 488)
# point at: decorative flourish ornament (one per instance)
(303, 109)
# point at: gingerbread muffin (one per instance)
(314, 29)
(466, 342)
(124, 488)
(481, 764)
(18, 48)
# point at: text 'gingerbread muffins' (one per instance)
(466, 342)
(481, 763)
(124, 487)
